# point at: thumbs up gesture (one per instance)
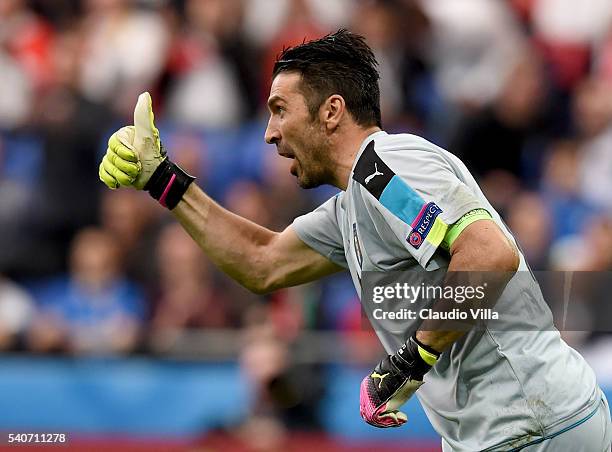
(136, 158)
(134, 152)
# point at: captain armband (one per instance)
(457, 228)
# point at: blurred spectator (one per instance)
(299, 24)
(380, 22)
(595, 267)
(16, 312)
(588, 256)
(284, 393)
(15, 93)
(27, 37)
(19, 165)
(248, 200)
(603, 59)
(188, 297)
(598, 240)
(593, 117)
(397, 31)
(124, 52)
(561, 190)
(25, 43)
(71, 128)
(530, 221)
(493, 141)
(592, 111)
(191, 152)
(265, 18)
(567, 32)
(208, 87)
(132, 218)
(93, 310)
(475, 45)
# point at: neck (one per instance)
(345, 152)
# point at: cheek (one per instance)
(286, 128)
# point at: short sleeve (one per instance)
(417, 193)
(320, 230)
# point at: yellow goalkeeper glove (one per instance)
(136, 158)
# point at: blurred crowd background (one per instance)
(521, 90)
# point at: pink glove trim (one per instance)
(162, 198)
(371, 413)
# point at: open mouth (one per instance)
(286, 155)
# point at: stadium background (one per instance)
(116, 330)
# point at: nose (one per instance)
(272, 135)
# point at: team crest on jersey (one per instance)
(423, 223)
(357, 246)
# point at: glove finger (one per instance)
(125, 153)
(129, 168)
(144, 119)
(144, 125)
(119, 175)
(108, 180)
(397, 417)
(121, 143)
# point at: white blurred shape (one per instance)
(265, 18)
(571, 21)
(596, 171)
(15, 93)
(475, 44)
(207, 96)
(126, 50)
(16, 307)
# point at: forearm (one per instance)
(234, 244)
(430, 334)
(259, 259)
(483, 257)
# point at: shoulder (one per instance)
(403, 153)
(391, 157)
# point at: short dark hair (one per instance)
(338, 63)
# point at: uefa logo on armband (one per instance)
(415, 239)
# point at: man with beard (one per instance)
(405, 205)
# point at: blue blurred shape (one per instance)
(119, 396)
(21, 157)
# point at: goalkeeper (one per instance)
(405, 205)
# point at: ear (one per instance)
(332, 111)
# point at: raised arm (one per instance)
(256, 257)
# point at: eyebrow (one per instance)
(273, 100)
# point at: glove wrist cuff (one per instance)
(427, 354)
(415, 359)
(168, 184)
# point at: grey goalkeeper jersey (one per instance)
(492, 390)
